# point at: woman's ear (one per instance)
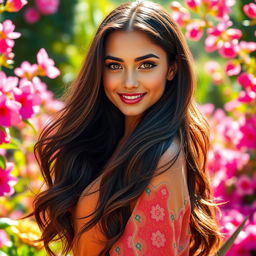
(172, 71)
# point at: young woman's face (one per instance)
(135, 71)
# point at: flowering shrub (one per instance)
(231, 160)
(25, 105)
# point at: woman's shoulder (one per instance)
(174, 154)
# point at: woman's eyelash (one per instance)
(112, 64)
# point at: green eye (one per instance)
(148, 65)
(113, 66)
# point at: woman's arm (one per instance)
(159, 224)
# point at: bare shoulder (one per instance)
(177, 172)
(170, 153)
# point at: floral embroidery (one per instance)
(155, 227)
(148, 191)
(157, 212)
(158, 239)
(138, 246)
(137, 217)
(118, 250)
(163, 191)
(129, 241)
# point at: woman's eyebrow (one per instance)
(151, 55)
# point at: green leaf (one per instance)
(226, 246)
(31, 125)
(2, 162)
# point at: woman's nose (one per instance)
(130, 79)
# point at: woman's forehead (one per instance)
(133, 43)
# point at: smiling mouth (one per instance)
(132, 99)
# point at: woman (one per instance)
(125, 160)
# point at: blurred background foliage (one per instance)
(66, 36)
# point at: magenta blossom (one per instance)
(26, 70)
(7, 83)
(9, 111)
(47, 6)
(248, 81)
(193, 4)
(248, 128)
(228, 49)
(243, 185)
(31, 15)
(4, 135)
(246, 97)
(219, 8)
(14, 5)
(27, 98)
(180, 14)
(233, 67)
(46, 65)
(6, 35)
(250, 10)
(7, 181)
(195, 30)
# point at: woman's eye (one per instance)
(113, 66)
(148, 65)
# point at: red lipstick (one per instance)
(131, 98)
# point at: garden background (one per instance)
(42, 45)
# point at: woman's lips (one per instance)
(139, 97)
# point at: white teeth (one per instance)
(132, 97)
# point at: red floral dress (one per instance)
(154, 228)
(158, 225)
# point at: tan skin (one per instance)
(128, 75)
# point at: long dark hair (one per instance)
(74, 149)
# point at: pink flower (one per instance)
(206, 109)
(31, 15)
(158, 239)
(4, 240)
(47, 6)
(26, 70)
(46, 65)
(194, 31)
(233, 67)
(231, 105)
(228, 50)
(243, 185)
(248, 128)
(233, 33)
(247, 47)
(41, 90)
(7, 181)
(250, 10)
(14, 5)
(27, 98)
(247, 80)
(9, 112)
(4, 135)
(214, 69)
(193, 4)
(180, 14)
(219, 9)
(7, 83)
(211, 43)
(246, 97)
(157, 213)
(6, 35)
